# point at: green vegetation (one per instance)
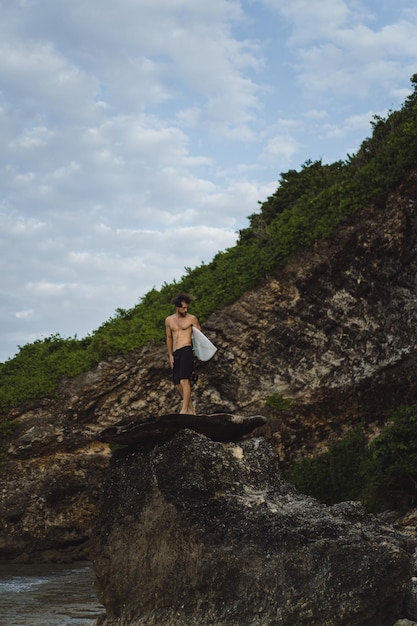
(335, 475)
(6, 430)
(392, 467)
(306, 206)
(381, 474)
(278, 402)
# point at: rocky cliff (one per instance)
(192, 531)
(335, 331)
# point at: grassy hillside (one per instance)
(307, 205)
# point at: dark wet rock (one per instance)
(217, 426)
(192, 531)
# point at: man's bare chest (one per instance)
(180, 326)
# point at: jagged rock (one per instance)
(192, 531)
(217, 426)
(49, 514)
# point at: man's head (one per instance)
(182, 302)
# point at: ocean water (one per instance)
(48, 595)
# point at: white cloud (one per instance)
(312, 19)
(280, 149)
(317, 114)
(340, 56)
(353, 123)
(138, 136)
(24, 315)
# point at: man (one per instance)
(179, 328)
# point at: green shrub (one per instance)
(278, 402)
(335, 475)
(6, 430)
(392, 466)
(382, 474)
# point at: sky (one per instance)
(137, 136)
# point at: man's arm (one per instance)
(169, 342)
(195, 322)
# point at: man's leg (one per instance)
(183, 367)
(184, 389)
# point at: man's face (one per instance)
(183, 309)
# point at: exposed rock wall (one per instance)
(192, 531)
(335, 331)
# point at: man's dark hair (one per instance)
(182, 297)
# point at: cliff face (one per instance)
(335, 331)
(192, 531)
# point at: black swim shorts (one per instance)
(183, 364)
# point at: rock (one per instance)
(49, 505)
(217, 426)
(410, 605)
(408, 522)
(192, 531)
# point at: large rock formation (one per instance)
(192, 531)
(335, 331)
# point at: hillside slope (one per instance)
(307, 207)
(334, 331)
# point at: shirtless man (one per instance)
(179, 328)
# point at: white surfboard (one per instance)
(203, 348)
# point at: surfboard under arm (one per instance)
(204, 349)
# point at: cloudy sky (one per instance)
(138, 135)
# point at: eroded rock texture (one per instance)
(192, 531)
